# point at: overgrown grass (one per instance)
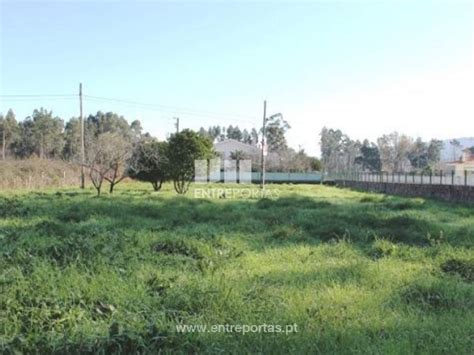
(356, 272)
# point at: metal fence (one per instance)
(306, 177)
(279, 177)
(465, 177)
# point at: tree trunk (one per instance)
(4, 143)
(112, 181)
(41, 147)
(181, 185)
(157, 185)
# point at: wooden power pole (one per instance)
(262, 183)
(177, 124)
(82, 138)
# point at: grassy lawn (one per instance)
(356, 272)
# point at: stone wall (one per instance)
(454, 193)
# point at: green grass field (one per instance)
(356, 272)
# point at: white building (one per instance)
(466, 163)
(229, 146)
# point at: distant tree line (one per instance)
(221, 133)
(394, 153)
(114, 149)
(47, 136)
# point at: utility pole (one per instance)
(82, 138)
(262, 183)
(177, 124)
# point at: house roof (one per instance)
(235, 143)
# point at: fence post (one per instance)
(441, 177)
(431, 177)
(452, 177)
(465, 177)
(406, 178)
(422, 177)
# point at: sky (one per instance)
(365, 67)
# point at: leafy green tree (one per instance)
(183, 149)
(369, 157)
(40, 134)
(418, 154)
(213, 132)
(434, 151)
(8, 132)
(315, 164)
(24, 146)
(72, 140)
(275, 133)
(246, 137)
(136, 130)
(109, 122)
(234, 133)
(423, 156)
(149, 163)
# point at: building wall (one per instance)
(466, 155)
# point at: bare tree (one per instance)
(394, 149)
(107, 159)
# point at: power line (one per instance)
(38, 95)
(180, 109)
(148, 106)
(177, 111)
(28, 99)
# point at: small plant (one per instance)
(382, 248)
(435, 240)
